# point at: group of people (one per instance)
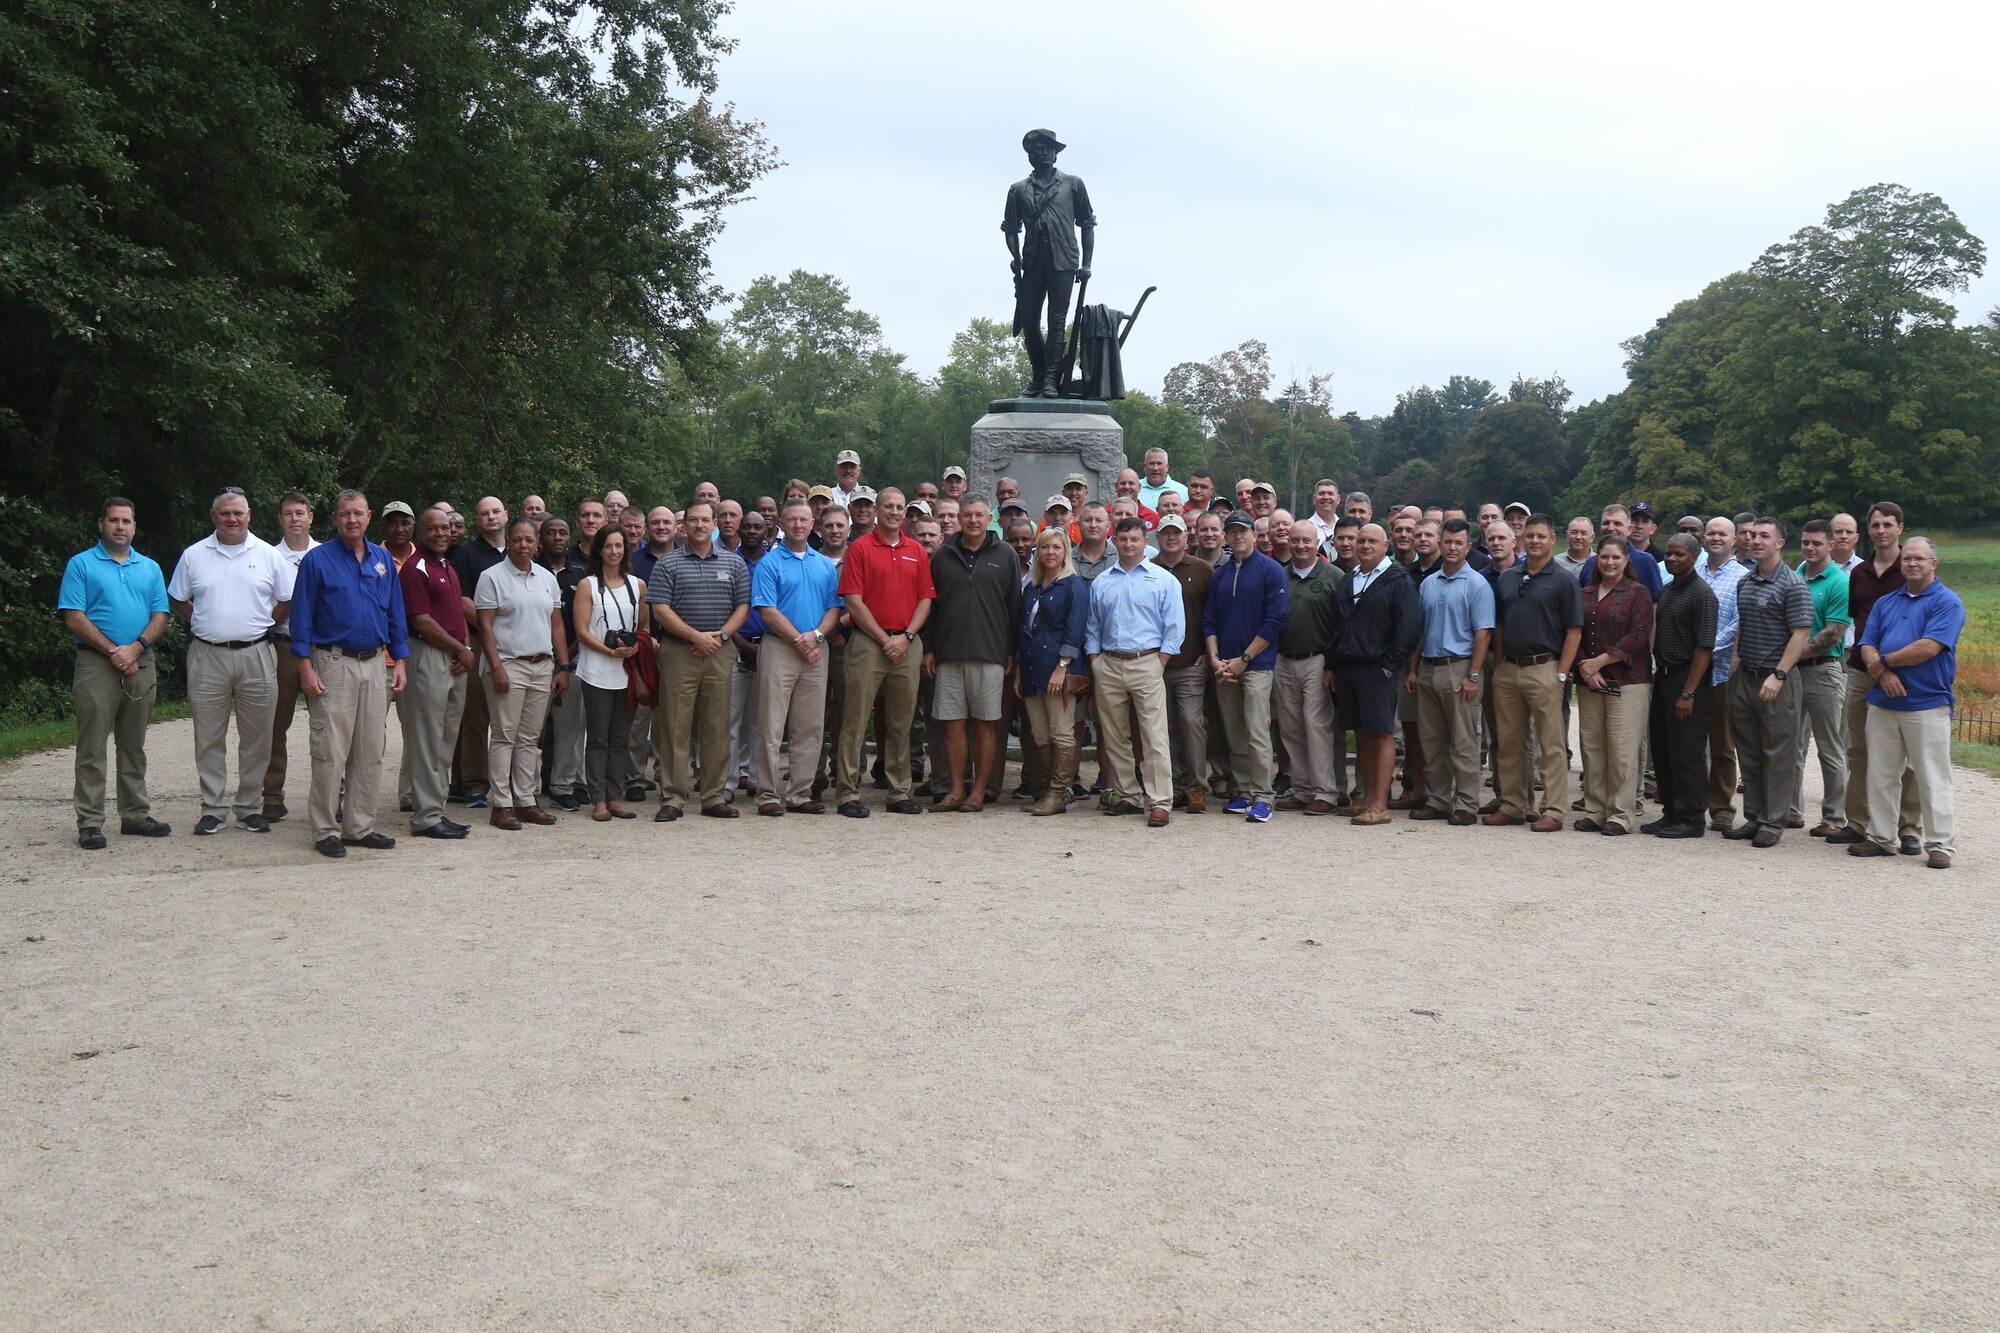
(733, 657)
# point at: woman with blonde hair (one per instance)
(1050, 669)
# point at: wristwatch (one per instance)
(910, 634)
(818, 635)
(1472, 676)
(1562, 677)
(1063, 662)
(1779, 674)
(1687, 694)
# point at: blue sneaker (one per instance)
(1237, 805)
(476, 801)
(1261, 812)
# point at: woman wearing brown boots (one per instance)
(1050, 667)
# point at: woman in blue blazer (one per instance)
(1049, 666)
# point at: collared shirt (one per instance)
(1456, 607)
(117, 596)
(1135, 610)
(474, 556)
(1050, 209)
(1829, 601)
(1090, 569)
(1149, 494)
(1324, 527)
(843, 497)
(524, 602)
(352, 602)
(1899, 620)
(892, 578)
(1363, 577)
(1722, 582)
(753, 623)
(1864, 588)
(1573, 563)
(290, 556)
(976, 617)
(1643, 567)
(1193, 574)
(431, 588)
(1684, 622)
(1848, 566)
(1768, 608)
(703, 590)
(1619, 622)
(1535, 612)
(1310, 611)
(802, 586)
(234, 590)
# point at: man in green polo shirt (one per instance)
(114, 601)
(1825, 683)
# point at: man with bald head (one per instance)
(532, 507)
(483, 548)
(1127, 487)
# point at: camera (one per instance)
(622, 638)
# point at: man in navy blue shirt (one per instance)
(1910, 650)
(1617, 522)
(347, 610)
(1241, 620)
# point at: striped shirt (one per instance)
(704, 591)
(1768, 609)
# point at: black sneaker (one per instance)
(208, 826)
(90, 839)
(147, 827)
(854, 810)
(444, 828)
(634, 793)
(374, 842)
(904, 808)
(566, 799)
(253, 824)
(330, 847)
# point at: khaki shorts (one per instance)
(967, 689)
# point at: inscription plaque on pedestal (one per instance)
(1039, 441)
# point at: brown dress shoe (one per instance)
(1938, 860)
(1408, 802)
(1867, 848)
(1321, 808)
(806, 808)
(504, 818)
(1495, 819)
(1124, 808)
(667, 815)
(1156, 819)
(1426, 811)
(533, 814)
(1546, 824)
(1824, 830)
(1492, 807)
(1197, 801)
(771, 808)
(1463, 818)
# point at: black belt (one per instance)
(1121, 654)
(1446, 660)
(1300, 657)
(1761, 672)
(531, 657)
(339, 651)
(236, 644)
(1533, 659)
(1819, 661)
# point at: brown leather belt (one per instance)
(532, 657)
(1131, 656)
(1535, 659)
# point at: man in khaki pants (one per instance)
(347, 609)
(1136, 625)
(1539, 607)
(1299, 698)
(441, 664)
(233, 589)
(796, 590)
(700, 595)
(114, 601)
(886, 579)
(519, 606)
(1446, 672)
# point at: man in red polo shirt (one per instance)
(440, 662)
(886, 581)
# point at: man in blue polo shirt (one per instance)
(114, 601)
(1910, 649)
(1445, 674)
(347, 609)
(796, 591)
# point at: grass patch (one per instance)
(1985, 758)
(34, 737)
(1969, 564)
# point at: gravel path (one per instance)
(983, 1072)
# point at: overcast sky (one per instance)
(1394, 193)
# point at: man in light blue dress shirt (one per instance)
(1136, 624)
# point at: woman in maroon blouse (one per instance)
(1615, 668)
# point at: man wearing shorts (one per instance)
(1377, 622)
(968, 647)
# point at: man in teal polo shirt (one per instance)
(114, 601)
(1825, 683)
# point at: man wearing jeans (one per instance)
(1911, 651)
(114, 602)
(1774, 615)
(1135, 627)
(1241, 620)
(232, 588)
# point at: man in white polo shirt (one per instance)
(847, 477)
(232, 588)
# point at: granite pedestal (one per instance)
(1039, 441)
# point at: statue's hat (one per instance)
(1028, 139)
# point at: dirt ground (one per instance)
(975, 1072)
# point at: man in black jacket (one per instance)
(968, 647)
(1377, 623)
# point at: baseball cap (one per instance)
(398, 507)
(823, 492)
(862, 494)
(1013, 502)
(1640, 508)
(955, 471)
(1512, 505)
(1056, 502)
(1239, 518)
(1263, 486)
(1174, 521)
(847, 456)
(919, 507)
(1076, 479)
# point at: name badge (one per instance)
(722, 576)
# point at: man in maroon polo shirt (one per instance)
(441, 661)
(886, 581)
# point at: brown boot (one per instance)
(1062, 772)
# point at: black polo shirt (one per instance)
(1536, 611)
(473, 557)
